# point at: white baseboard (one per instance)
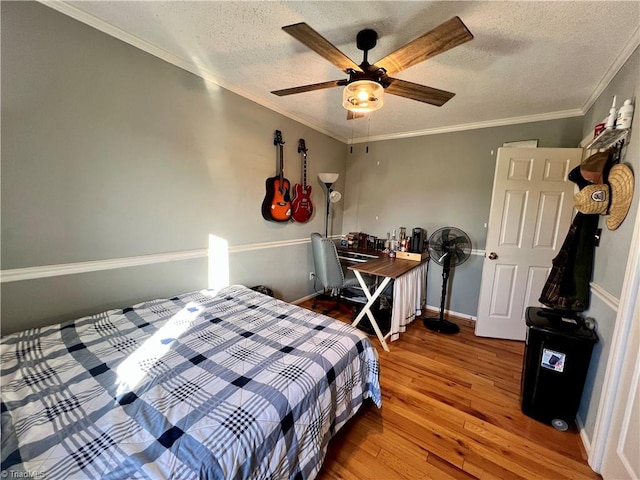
(451, 312)
(586, 441)
(428, 307)
(584, 437)
(304, 299)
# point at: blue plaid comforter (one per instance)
(224, 386)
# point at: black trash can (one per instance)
(556, 360)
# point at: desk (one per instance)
(353, 256)
(390, 269)
(357, 255)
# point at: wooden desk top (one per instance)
(385, 266)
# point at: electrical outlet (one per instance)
(311, 275)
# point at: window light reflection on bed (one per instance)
(218, 262)
(133, 370)
(147, 357)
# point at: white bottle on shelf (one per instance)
(625, 115)
(611, 119)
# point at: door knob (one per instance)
(493, 256)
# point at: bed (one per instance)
(229, 385)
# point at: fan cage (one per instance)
(452, 240)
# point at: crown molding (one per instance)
(189, 66)
(472, 126)
(614, 68)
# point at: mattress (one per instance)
(233, 384)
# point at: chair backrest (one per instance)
(326, 262)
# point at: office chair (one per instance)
(328, 270)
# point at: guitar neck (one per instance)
(302, 148)
(281, 166)
(277, 141)
(304, 169)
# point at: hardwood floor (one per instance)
(451, 410)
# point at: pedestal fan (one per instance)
(449, 247)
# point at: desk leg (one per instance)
(366, 310)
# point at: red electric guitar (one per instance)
(301, 203)
(276, 206)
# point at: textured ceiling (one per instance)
(528, 61)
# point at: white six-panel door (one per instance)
(531, 211)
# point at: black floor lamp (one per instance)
(332, 196)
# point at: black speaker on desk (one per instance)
(417, 240)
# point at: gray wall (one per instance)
(435, 181)
(109, 152)
(612, 255)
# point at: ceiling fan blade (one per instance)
(316, 42)
(353, 115)
(442, 38)
(421, 93)
(309, 88)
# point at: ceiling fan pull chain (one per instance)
(351, 148)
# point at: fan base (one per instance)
(441, 326)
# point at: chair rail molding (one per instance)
(44, 271)
(609, 299)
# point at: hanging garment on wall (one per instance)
(567, 287)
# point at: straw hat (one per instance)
(612, 199)
(621, 182)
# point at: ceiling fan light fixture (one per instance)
(363, 96)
